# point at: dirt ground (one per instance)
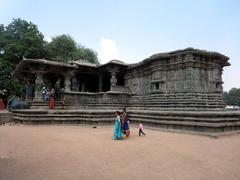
(82, 152)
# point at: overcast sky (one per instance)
(132, 30)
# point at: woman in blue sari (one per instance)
(117, 132)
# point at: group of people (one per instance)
(121, 126)
(45, 94)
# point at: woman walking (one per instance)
(117, 132)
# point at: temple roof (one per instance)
(114, 62)
(82, 62)
(87, 63)
(28, 66)
(44, 61)
(188, 50)
(208, 54)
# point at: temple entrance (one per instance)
(88, 83)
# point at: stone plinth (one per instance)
(206, 123)
(202, 122)
(103, 100)
(5, 117)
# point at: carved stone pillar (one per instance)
(82, 87)
(67, 83)
(75, 84)
(39, 85)
(113, 80)
(100, 83)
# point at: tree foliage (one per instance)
(63, 48)
(232, 97)
(17, 40)
(82, 52)
(60, 48)
(23, 39)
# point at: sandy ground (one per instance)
(81, 152)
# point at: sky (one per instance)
(132, 30)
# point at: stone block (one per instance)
(6, 117)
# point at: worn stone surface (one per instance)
(207, 123)
(5, 117)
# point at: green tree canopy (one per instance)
(232, 97)
(17, 40)
(63, 48)
(22, 39)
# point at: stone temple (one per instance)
(178, 90)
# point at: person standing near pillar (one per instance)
(52, 96)
(2, 106)
(2, 93)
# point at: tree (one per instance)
(85, 53)
(63, 48)
(17, 40)
(232, 97)
(23, 39)
(2, 39)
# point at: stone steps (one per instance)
(173, 109)
(200, 122)
(98, 106)
(5, 116)
(212, 122)
(45, 105)
(64, 116)
(172, 105)
(182, 94)
(178, 101)
(174, 99)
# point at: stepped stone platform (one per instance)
(5, 117)
(40, 104)
(201, 122)
(177, 102)
(206, 123)
(43, 116)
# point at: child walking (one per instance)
(141, 128)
